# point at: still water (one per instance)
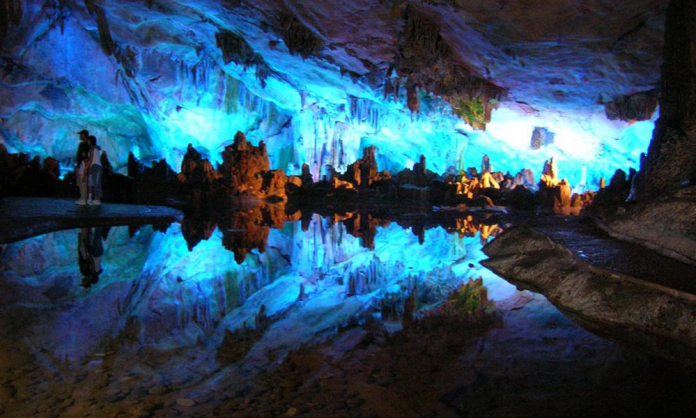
(118, 320)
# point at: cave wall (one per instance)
(150, 77)
(671, 160)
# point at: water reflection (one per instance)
(247, 230)
(186, 283)
(90, 251)
(186, 311)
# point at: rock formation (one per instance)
(419, 176)
(542, 137)
(664, 218)
(635, 107)
(24, 177)
(671, 159)
(196, 170)
(534, 261)
(363, 172)
(242, 165)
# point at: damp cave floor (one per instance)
(596, 247)
(25, 217)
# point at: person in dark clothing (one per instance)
(82, 156)
(93, 169)
(90, 251)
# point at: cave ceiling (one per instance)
(548, 54)
(567, 57)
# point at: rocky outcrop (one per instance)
(553, 192)
(666, 225)
(534, 261)
(665, 217)
(613, 196)
(195, 170)
(542, 137)
(671, 159)
(242, 164)
(526, 179)
(633, 107)
(363, 172)
(419, 176)
(22, 176)
(274, 184)
(425, 59)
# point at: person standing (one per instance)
(94, 172)
(81, 174)
(89, 254)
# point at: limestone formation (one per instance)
(634, 107)
(542, 137)
(553, 192)
(487, 181)
(671, 159)
(274, 184)
(617, 192)
(550, 173)
(419, 176)
(525, 178)
(363, 172)
(486, 164)
(196, 170)
(22, 176)
(306, 176)
(534, 261)
(244, 167)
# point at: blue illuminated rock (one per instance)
(317, 88)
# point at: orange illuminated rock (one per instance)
(363, 172)
(487, 181)
(196, 170)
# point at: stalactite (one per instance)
(412, 99)
(299, 39)
(106, 41)
(235, 48)
(366, 111)
(11, 13)
(428, 61)
(633, 107)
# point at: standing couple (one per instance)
(89, 170)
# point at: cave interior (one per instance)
(373, 208)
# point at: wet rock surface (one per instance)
(666, 225)
(535, 261)
(175, 328)
(25, 217)
(598, 248)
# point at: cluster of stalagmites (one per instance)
(17, 171)
(247, 229)
(557, 193)
(245, 176)
(22, 175)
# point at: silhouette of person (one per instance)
(82, 155)
(90, 251)
(93, 168)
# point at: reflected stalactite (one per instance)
(365, 279)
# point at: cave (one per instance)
(372, 208)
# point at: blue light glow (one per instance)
(177, 295)
(310, 114)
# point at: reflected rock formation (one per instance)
(155, 292)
